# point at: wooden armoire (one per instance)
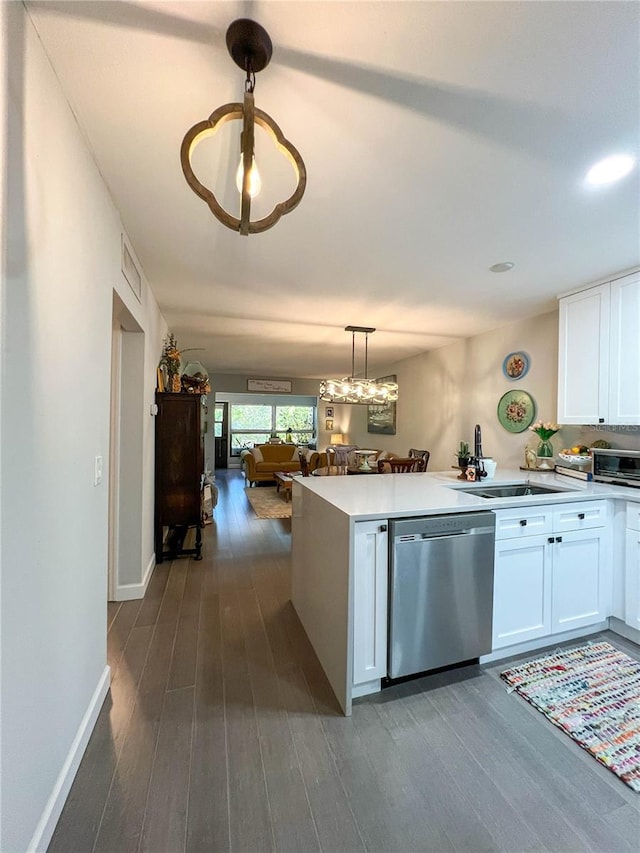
(179, 474)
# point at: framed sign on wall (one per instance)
(269, 385)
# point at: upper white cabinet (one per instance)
(599, 354)
(624, 351)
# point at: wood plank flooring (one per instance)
(221, 733)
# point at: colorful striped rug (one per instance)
(593, 694)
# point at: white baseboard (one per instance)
(620, 627)
(129, 591)
(53, 809)
(550, 641)
(365, 689)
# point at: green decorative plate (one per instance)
(516, 411)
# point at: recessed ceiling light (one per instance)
(610, 169)
(505, 266)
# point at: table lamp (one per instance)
(336, 438)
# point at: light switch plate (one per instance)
(97, 475)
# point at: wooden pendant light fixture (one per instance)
(250, 48)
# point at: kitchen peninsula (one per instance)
(559, 563)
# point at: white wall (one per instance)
(445, 392)
(61, 264)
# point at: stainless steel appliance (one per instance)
(620, 467)
(440, 591)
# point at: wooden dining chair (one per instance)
(402, 465)
(420, 454)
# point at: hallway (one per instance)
(221, 733)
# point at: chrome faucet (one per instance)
(477, 453)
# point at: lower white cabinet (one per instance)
(370, 602)
(521, 590)
(581, 579)
(632, 567)
(549, 583)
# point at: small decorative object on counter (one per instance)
(544, 451)
(490, 466)
(471, 473)
(530, 458)
(463, 453)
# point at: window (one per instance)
(218, 419)
(255, 424)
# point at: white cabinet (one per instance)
(632, 567)
(521, 590)
(583, 356)
(624, 351)
(523, 521)
(369, 603)
(599, 354)
(553, 582)
(581, 585)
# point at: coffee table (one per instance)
(283, 481)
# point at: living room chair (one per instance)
(402, 465)
(420, 454)
(338, 454)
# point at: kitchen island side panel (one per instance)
(321, 586)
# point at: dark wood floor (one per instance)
(221, 733)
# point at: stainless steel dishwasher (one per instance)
(440, 591)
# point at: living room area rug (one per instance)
(592, 693)
(267, 503)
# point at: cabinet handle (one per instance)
(523, 522)
(558, 538)
(383, 528)
(600, 420)
(551, 540)
(581, 516)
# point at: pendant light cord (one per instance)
(250, 82)
(366, 356)
(353, 355)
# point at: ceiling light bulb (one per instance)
(610, 169)
(255, 181)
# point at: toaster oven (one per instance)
(620, 467)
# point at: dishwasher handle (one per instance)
(457, 534)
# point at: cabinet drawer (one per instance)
(580, 515)
(633, 516)
(524, 521)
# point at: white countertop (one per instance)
(375, 496)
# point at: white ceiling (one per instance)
(439, 138)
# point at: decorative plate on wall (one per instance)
(515, 365)
(516, 411)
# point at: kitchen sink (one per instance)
(521, 490)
